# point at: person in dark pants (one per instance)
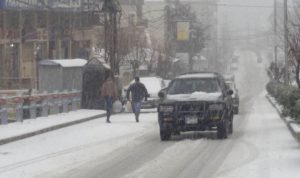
(109, 93)
(138, 93)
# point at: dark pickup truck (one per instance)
(196, 102)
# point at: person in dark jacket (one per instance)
(138, 93)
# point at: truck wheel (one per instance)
(164, 135)
(230, 129)
(222, 130)
(236, 110)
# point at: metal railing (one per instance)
(18, 108)
(15, 83)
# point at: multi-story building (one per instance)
(31, 30)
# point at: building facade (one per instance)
(32, 30)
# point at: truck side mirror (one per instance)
(161, 94)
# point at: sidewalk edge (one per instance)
(288, 123)
(48, 129)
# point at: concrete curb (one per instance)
(287, 121)
(48, 129)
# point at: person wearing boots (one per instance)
(109, 94)
(138, 93)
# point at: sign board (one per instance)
(183, 31)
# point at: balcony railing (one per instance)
(15, 83)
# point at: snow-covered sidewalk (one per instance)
(31, 127)
(54, 153)
(291, 123)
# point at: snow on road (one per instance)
(266, 149)
(261, 145)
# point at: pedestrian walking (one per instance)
(138, 93)
(109, 93)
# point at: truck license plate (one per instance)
(191, 120)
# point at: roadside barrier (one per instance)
(44, 105)
(3, 112)
(18, 102)
(76, 101)
(55, 103)
(18, 108)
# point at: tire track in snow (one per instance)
(13, 166)
(125, 159)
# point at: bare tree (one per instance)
(294, 42)
(133, 48)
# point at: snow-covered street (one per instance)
(261, 145)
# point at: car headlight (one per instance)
(216, 107)
(164, 108)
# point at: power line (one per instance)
(238, 5)
(237, 39)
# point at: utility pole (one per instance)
(168, 36)
(191, 49)
(111, 11)
(286, 67)
(275, 35)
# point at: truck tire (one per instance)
(165, 135)
(222, 129)
(230, 129)
(236, 110)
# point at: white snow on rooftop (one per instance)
(102, 61)
(65, 62)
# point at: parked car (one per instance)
(235, 97)
(196, 102)
(153, 85)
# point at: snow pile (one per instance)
(295, 127)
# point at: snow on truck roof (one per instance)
(65, 62)
(198, 75)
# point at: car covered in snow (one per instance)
(153, 86)
(196, 102)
